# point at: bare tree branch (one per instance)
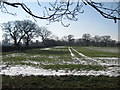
(99, 6)
(61, 10)
(57, 11)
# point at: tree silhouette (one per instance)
(86, 38)
(70, 39)
(43, 33)
(29, 29)
(65, 9)
(105, 39)
(19, 30)
(14, 30)
(97, 40)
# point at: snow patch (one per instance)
(79, 53)
(59, 46)
(87, 58)
(46, 49)
(32, 62)
(28, 71)
(71, 52)
(106, 58)
(14, 55)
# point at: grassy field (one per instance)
(92, 82)
(74, 67)
(99, 51)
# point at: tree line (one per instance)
(22, 33)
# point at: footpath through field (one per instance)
(96, 60)
(84, 56)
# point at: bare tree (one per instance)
(29, 29)
(86, 38)
(96, 40)
(64, 38)
(105, 39)
(19, 30)
(70, 39)
(6, 40)
(14, 30)
(54, 37)
(43, 33)
(65, 9)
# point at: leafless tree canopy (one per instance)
(43, 33)
(19, 30)
(66, 10)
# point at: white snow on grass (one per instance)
(60, 62)
(32, 62)
(59, 46)
(14, 55)
(34, 56)
(38, 63)
(112, 64)
(25, 70)
(87, 58)
(110, 58)
(46, 49)
(71, 52)
(79, 53)
(108, 61)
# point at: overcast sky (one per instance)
(89, 22)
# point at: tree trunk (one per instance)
(27, 44)
(15, 43)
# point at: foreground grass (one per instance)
(60, 82)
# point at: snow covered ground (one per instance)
(25, 70)
(109, 61)
(113, 66)
(46, 49)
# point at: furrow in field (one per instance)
(85, 60)
(78, 52)
(86, 57)
(107, 61)
(71, 52)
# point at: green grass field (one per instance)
(99, 51)
(80, 62)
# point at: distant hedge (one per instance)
(11, 48)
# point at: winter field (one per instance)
(62, 61)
